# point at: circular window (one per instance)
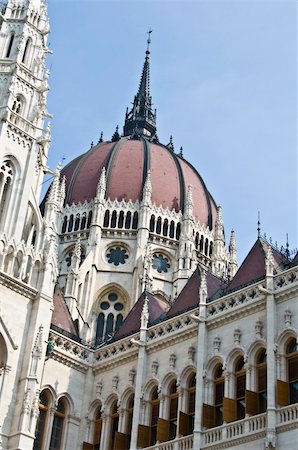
(160, 263)
(104, 305)
(118, 306)
(117, 255)
(112, 296)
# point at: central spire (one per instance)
(141, 119)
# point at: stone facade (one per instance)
(125, 324)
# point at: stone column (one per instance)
(271, 364)
(140, 374)
(201, 356)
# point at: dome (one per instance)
(127, 162)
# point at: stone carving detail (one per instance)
(99, 386)
(172, 361)
(288, 318)
(259, 329)
(115, 381)
(154, 368)
(216, 344)
(237, 336)
(131, 376)
(191, 354)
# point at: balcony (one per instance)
(250, 428)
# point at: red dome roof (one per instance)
(127, 163)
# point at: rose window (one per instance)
(117, 255)
(160, 263)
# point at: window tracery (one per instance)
(110, 317)
(160, 263)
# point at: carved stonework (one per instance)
(172, 360)
(154, 368)
(99, 387)
(115, 381)
(259, 329)
(216, 344)
(131, 376)
(191, 353)
(237, 336)
(288, 318)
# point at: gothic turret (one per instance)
(141, 119)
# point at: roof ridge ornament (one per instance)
(141, 119)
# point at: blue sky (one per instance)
(223, 80)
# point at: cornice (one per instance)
(66, 360)
(18, 286)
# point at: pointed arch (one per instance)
(9, 45)
(27, 51)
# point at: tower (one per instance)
(27, 241)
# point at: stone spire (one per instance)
(141, 119)
(102, 185)
(147, 190)
(233, 265)
(188, 206)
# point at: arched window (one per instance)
(206, 247)
(154, 413)
(240, 383)
(292, 369)
(9, 46)
(172, 229)
(114, 420)
(158, 226)
(64, 225)
(110, 317)
(197, 240)
(27, 50)
(165, 227)
(106, 219)
(201, 243)
(58, 425)
(121, 219)
(261, 373)
(7, 174)
(114, 219)
(126, 436)
(135, 220)
(97, 429)
(173, 409)
(178, 231)
(128, 220)
(210, 249)
(70, 223)
(77, 222)
(219, 385)
(83, 222)
(89, 221)
(186, 420)
(152, 224)
(18, 105)
(44, 406)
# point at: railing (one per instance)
(287, 414)
(23, 124)
(251, 425)
(184, 443)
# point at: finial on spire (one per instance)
(259, 225)
(141, 119)
(181, 152)
(149, 39)
(100, 140)
(287, 247)
(170, 144)
(116, 136)
(92, 144)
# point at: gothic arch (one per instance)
(211, 365)
(283, 339)
(167, 380)
(149, 387)
(109, 402)
(69, 402)
(186, 373)
(254, 349)
(126, 396)
(232, 357)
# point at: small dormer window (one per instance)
(18, 105)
